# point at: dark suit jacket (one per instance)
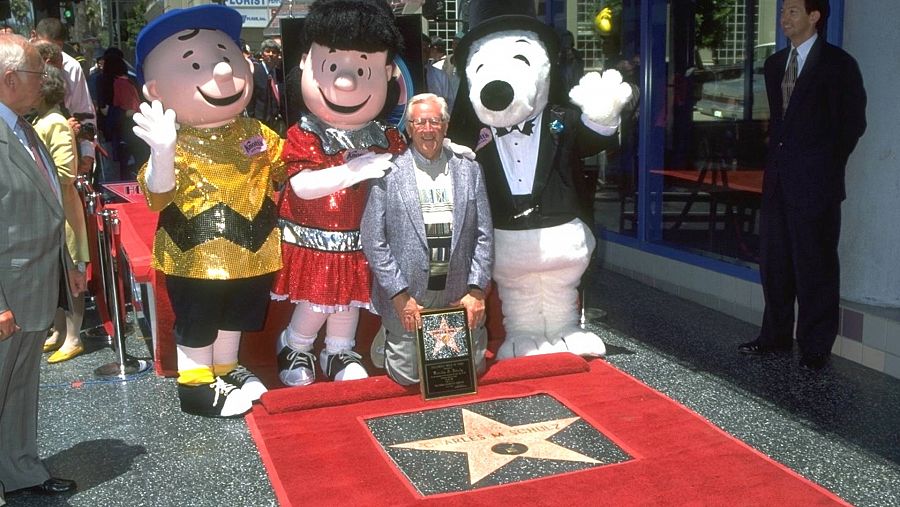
(393, 234)
(557, 180)
(810, 144)
(263, 105)
(32, 237)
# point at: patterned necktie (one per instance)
(790, 78)
(34, 144)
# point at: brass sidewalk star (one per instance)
(490, 444)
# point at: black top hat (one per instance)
(490, 16)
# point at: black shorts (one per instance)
(203, 307)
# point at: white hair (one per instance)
(430, 97)
(12, 51)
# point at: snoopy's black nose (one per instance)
(497, 95)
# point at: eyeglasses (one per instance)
(421, 122)
(42, 73)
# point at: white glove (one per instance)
(459, 149)
(314, 184)
(158, 129)
(601, 97)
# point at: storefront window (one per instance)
(716, 117)
(609, 38)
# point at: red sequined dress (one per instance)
(321, 251)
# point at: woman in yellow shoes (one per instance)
(53, 129)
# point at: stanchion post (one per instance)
(125, 365)
(93, 211)
(84, 188)
(589, 315)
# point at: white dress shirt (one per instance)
(518, 154)
(78, 98)
(802, 53)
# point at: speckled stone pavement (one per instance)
(128, 444)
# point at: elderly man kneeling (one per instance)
(428, 237)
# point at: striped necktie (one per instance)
(790, 78)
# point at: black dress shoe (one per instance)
(755, 348)
(52, 486)
(813, 363)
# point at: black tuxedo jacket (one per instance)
(558, 174)
(809, 144)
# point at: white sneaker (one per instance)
(344, 365)
(376, 352)
(217, 399)
(246, 381)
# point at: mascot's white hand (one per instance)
(459, 149)
(601, 97)
(370, 166)
(158, 129)
(314, 184)
(155, 126)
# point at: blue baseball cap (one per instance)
(202, 17)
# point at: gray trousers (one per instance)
(20, 367)
(401, 360)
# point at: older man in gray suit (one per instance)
(428, 236)
(33, 263)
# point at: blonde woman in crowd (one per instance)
(53, 128)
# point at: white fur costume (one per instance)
(539, 261)
(538, 277)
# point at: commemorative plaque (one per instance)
(446, 362)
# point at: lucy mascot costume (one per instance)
(211, 177)
(531, 150)
(336, 145)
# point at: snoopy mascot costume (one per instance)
(530, 147)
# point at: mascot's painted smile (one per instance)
(224, 101)
(343, 109)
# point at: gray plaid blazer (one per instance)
(33, 252)
(393, 234)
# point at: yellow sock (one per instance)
(222, 369)
(196, 376)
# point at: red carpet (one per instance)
(318, 450)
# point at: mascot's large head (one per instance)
(506, 61)
(347, 62)
(189, 60)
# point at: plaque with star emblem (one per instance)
(446, 364)
(491, 443)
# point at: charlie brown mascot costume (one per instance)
(211, 178)
(336, 145)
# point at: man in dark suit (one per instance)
(266, 104)
(33, 265)
(817, 104)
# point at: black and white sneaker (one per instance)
(246, 381)
(344, 365)
(216, 399)
(295, 367)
